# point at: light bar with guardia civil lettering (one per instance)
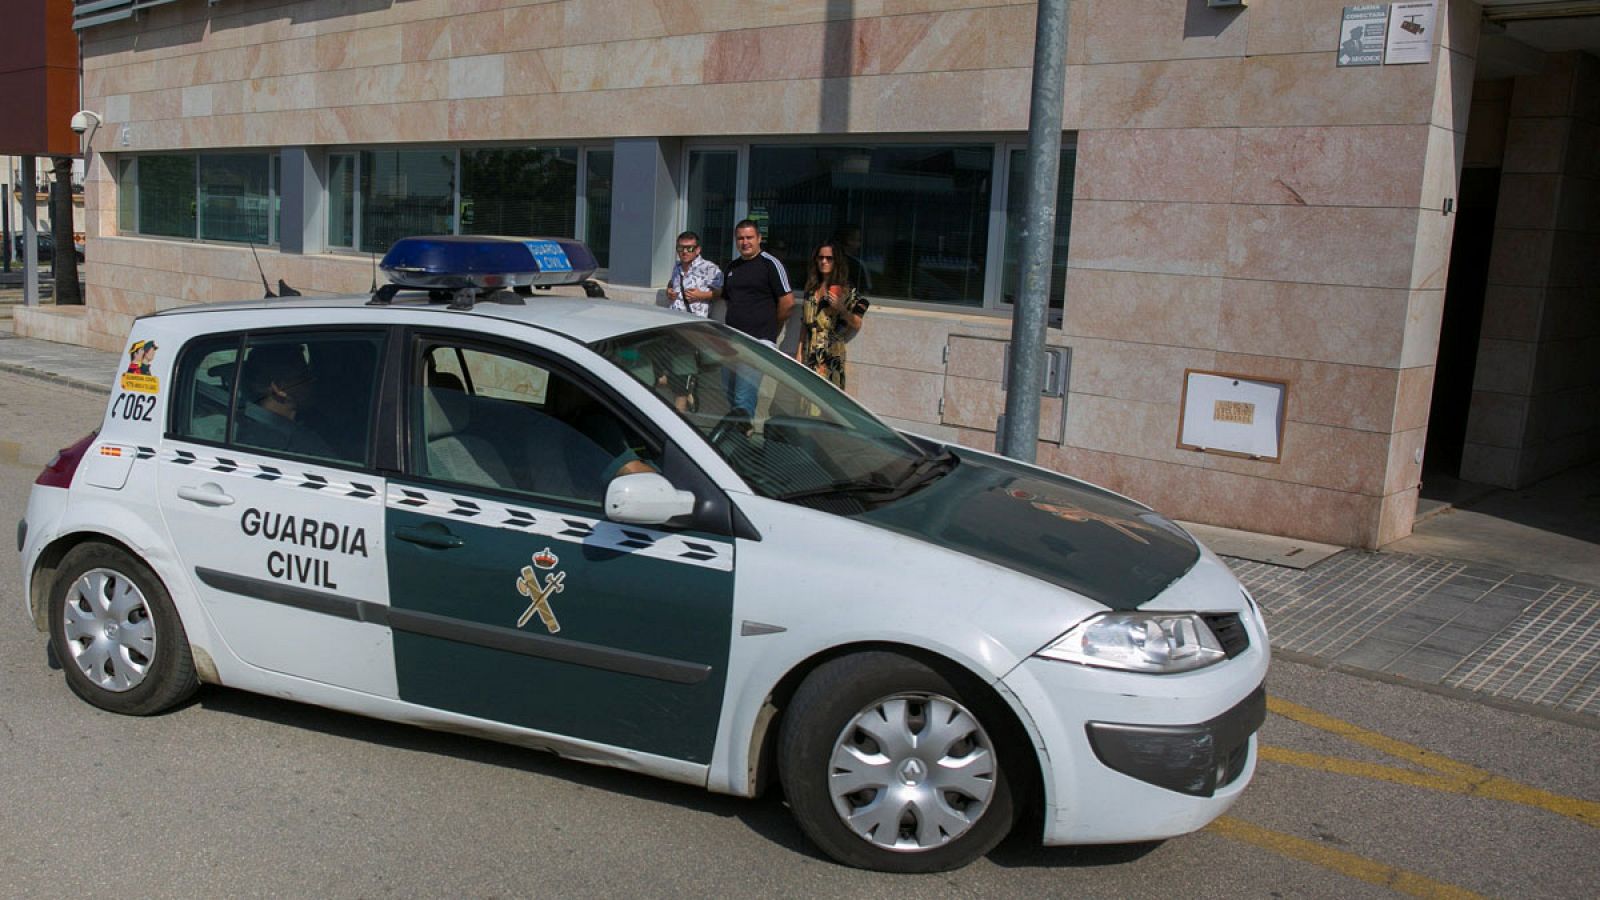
(455, 262)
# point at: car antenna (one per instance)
(270, 295)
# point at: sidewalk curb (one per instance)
(56, 378)
(1582, 720)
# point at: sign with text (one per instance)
(1232, 414)
(1410, 36)
(1361, 34)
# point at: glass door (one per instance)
(712, 200)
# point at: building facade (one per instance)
(1236, 198)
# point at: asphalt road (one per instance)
(1367, 789)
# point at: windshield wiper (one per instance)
(926, 470)
(848, 486)
(880, 489)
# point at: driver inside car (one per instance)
(278, 388)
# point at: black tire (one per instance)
(139, 666)
(825, 717)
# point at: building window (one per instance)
(914, 219)
(405, 192)
(597, 204)
(210, 196)
(235, 197)
(342, 200)
(524, 191)
(127, 197)
(1016, 199)
(166, 190)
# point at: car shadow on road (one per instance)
(767, 816)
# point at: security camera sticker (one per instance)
(137, 377)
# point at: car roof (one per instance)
(580, 318)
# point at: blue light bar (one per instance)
(449, 262)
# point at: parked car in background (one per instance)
(47, 247)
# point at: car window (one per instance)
(311, 395)
(491, 419)
(804, 439)
(205, 389)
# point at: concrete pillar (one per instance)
(644, 210)
(302, 188)
(29, 185)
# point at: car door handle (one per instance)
(206, 495)
(436, 536)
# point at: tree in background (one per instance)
(64, 259)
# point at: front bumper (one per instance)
(1189, 759)
(1129, 756)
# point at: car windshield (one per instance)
(804, 441)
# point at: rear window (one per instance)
(309, 395)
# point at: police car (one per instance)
(467, 505)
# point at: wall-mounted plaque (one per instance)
(1361, 33)
(1410, 37)
(1233, 414)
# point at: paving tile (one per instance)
(1408, 628)
(1417, 670)
(1491, 574)
(1456, 639)
(1532, 581)
(1372, 653)
(1525, 593)
(1464, 591)
(1438, 609)
(1423, 664)
(1488, 618)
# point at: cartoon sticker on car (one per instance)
(136, 377)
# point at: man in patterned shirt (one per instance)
(696, 281)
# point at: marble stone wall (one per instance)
(1242, 204)
(1536, 398)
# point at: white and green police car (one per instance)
(536, 518)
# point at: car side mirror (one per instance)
(646, 498)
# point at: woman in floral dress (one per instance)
(830, 316)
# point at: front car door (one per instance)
(268, 491)
(514, 600)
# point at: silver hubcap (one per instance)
(912, 772)
(110, 635)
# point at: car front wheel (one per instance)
(116, 633)
(889, 765)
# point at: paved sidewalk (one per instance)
(1519, 637)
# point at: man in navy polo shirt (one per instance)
(759, 299)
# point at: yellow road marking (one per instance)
(1448, 775)
(1399, 880)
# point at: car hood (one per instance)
(1066, 532)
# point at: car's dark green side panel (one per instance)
(610, 600)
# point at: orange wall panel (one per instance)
(38, 79)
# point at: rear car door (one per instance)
(514, 600)
(268, 491)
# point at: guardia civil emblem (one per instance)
(1071, 512)
(539, 592)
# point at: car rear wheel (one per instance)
(116, 633)
(889, 765)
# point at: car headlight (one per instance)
(1139, 642)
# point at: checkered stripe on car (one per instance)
(290, 475)
(566, 527)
